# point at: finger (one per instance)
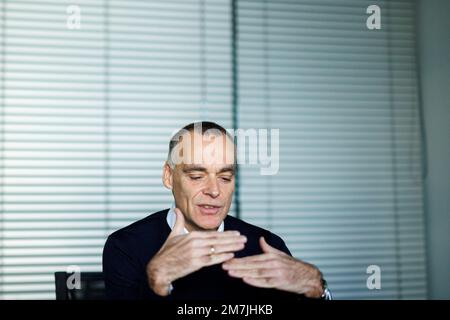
(267, 248)
(214, 234)
(212, 259)
(250, 259)
(178, 228)
(229, 247)
(259, 264)
(205, 246)
(260, 282)
(200, 242)
(254, 273)
(216, 242)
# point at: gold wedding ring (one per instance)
(212, 250)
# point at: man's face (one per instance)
(203, 188)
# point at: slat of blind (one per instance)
(87, 116)
(348, 193)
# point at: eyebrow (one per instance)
(191, 168)
(229, 168)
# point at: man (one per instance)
(195, 250)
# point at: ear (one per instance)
(167, 176)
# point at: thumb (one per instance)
(266, 248)
(178, 227)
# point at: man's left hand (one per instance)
(276, 269)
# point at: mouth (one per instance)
(209, 209)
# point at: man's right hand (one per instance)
(183, 254)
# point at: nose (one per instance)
(212, 188)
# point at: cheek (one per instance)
(229, 189)
(193, 189)
(187, 187)
(184, 193)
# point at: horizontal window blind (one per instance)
(86, 117)
(348, 193)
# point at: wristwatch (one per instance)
(326, 295)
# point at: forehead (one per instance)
(213, 149)
(216, 168)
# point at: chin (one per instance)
(209, 225)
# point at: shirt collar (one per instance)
(172, 217)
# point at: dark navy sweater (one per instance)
(128, 251)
